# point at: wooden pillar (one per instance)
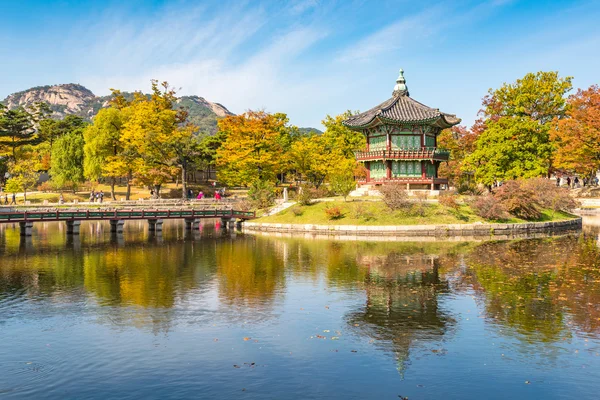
(368, 167)
(423, 170)
(388, 169)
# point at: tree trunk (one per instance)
(157, 191)
(24, 195)
(112, 189)
(183, 182)
(128, 193)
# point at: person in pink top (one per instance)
(217, 196)
(200, 195)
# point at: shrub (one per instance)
(47, 186)
(342, 184)
(550, 196)
(488, 207)
(448, 199)
(262, 194)
(394, 196)
(244, 205)
(360, 211)
(297, 211)
(519, 199)
(306, 195)
(469, 188)
(421, 196)
(333, 212)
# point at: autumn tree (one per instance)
(24, 175)
(253, 148)
(577, 137)
(104, 154)
(460, 142)
(516, 140)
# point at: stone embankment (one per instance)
(477, 230)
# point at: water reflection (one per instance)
(396, 300)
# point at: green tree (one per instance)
(16, 130)
(516, 141)
(104, 156)
(342, 183)
(67, 160)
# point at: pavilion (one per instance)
(402, 141)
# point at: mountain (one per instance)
(76, 99)
(306, 131)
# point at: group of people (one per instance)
(218, 194)
(575, 182)
(13, 199)
(96, 197)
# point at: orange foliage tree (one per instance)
(577, 137)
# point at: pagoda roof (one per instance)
(401, 109)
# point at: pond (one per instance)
(205, 314)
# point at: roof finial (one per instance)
(400, 89)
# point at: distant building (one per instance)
(402, 140)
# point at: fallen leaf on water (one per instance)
(527, 382)
(321, 337)
(246, 339)
(236, 366)
(354, 351)
(326, 330)
(334, 338)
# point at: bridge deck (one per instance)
(85, 215)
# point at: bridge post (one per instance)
(73, 227)
(26, 228)
(155, 225)
(192, 223)
(116, 225)
(228, 223)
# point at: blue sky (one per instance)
(307, 58)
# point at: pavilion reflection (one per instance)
(402, 304)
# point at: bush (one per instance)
(262, 194)
(519, 199)
(342, 184)
(306, 195)
(489, 207)
(469, 188)
(395, 196)
(333, 212)
(448, 199)
(297, 211)
(47, 186)
(360, 211)
(550, 196)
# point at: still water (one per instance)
(206, 315)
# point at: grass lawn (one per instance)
(376, 213)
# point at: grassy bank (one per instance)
(377, 213)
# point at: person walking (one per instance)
(568, 181)
(14, 199)
(576, 182)
(92, 196)
(217, 196)
(558, 181)
(200, 195)
(5, 199)
(101, 196)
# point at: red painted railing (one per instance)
(424, 153)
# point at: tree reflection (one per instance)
(541, 288)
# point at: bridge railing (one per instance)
(118, 214)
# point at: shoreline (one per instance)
(476, 230)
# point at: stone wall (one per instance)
(466, 231)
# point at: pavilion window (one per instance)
(406, 168)
(377, 170)
(430, 170)
(429, 141)
(377, 143)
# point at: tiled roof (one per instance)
(402, 109)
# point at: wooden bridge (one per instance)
(117, 218)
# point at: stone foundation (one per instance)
(465, 231)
